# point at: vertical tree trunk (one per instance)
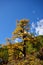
(24, 50)
(24, 47)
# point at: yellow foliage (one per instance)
(24, 21)
(27, 39)
(17, 30)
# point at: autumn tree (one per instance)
(21, 31)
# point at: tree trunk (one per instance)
(24, 49)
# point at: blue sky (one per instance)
(12, 10)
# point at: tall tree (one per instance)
(21, 31)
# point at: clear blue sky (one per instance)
(11, 10)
